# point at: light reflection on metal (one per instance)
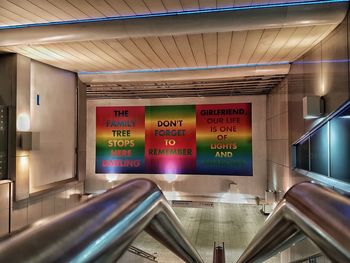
(301, 214)
(102, 229)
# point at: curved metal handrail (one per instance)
(308, 210)
(102, 229)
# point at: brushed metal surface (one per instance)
(102, 229)
(307, 210)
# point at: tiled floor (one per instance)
(233, 224)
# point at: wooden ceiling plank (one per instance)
(133, 49)
(171, 47)
(224, 3)
(243, 3)
(251, 43)
(237, 45)
(76, 51)
(115, 55)
(197, 45)
(125, 53)
(163, 54)
(189, 5)
(103, 55)
(138, 6)
(281, 38)
(69, 8)
(265, 42)
(155, 6)
(207, 4)
(315, 36)
(40, 56)
(104, 8)
(21, 11)
(224, 45)
(5, 21)
(78, 58)
(142, 44)
(14, 17)
(52, 9)
(185, 49)
(211, 48)
(86, 8)
(172, 5)
(36, 9)
(121, 7)
(295, 39)
(79, 46)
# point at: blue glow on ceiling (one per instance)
(322, 61)
(184, 69)
(203, 11)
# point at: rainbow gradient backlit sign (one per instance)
(177, 139)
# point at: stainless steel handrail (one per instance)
(102, 229)
(308, 210)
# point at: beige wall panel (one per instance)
(205, 185)
(55, 120)
(34, 210)
(19, 215)
(4, 222)
(48, 206)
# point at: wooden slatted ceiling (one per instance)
(16, 12)
(200, 50)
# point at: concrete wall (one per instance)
(194, 185)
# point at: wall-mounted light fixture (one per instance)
(29, 141)
(313, 107)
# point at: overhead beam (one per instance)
(184, 74)
(217, 20)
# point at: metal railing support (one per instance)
(102, 229)
(307, 210)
